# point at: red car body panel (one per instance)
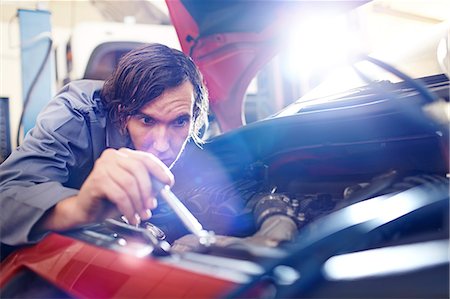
(228, 60)
(87, 271)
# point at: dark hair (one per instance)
(144, 74)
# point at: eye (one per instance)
(181, 121)
(148, 121)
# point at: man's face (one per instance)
(162, 126)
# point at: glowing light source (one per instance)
(387, 261)
(319, 43)
(286, 275)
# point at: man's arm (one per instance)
(37, 175)
(119, 182)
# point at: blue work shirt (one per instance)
(55, 158)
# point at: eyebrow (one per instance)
(180, 116)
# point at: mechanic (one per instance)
(96, 146)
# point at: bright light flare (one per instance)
(320, 43)
(387, 261)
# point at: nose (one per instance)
(161, 139)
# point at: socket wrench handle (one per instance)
(189, 220)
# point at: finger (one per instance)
(151, 203)
(154, 166)
(130, 185)
(107, 181)
(137, 169)
(120, 199)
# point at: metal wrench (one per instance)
(205, 237)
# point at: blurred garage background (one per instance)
(88, 37)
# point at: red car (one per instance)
(343, 198)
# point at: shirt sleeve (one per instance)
(38, 174)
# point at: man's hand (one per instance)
(119, 181)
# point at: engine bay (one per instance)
(268, 181)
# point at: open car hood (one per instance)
(232, 40)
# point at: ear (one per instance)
(124, 126)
